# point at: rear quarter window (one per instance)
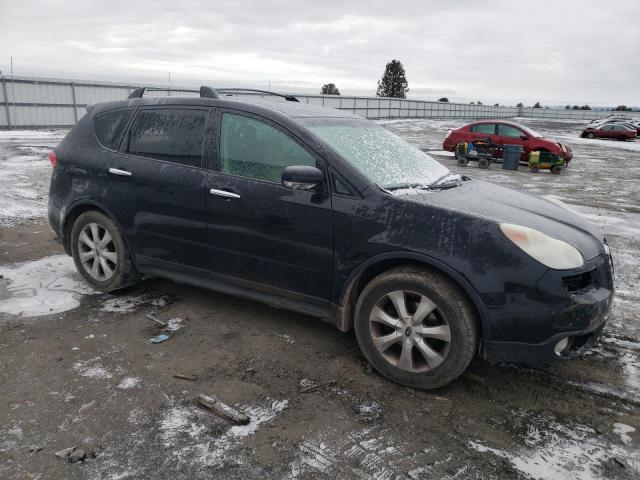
(487, 128)
(109, 127)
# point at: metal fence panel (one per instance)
(33, 102)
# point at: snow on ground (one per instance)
(24, 173)
(42, 287)
(555, 450)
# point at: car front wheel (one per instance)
(100, 253)
(416, 327)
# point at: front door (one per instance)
(273, 238)
(509, 135)
(157, 188)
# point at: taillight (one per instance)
(53, 158)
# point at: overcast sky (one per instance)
(555, 52)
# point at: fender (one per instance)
(433, 262)
(84, 201)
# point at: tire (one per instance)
(107, 266)
(453, 338)
(535, 169)
(463, 161)
(590, 135)
(556, 170)
(484, 163)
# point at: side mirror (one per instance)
(300, 177)
(524, 137)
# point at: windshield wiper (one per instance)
(448, 180)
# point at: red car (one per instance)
(504, 132)
(611, 130)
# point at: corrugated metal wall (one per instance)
(34, 102)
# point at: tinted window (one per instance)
(488, 128)
(251, 148)
(509, 131)
(172, 135)
(110, 126)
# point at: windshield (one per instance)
(381, 156)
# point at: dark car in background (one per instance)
(503, 132)
(328, 214)
(615, 131)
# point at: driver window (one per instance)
(252, 148)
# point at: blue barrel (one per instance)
(511, 156)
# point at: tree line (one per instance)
(394, 84)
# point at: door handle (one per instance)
(117, 171)
(223, 193)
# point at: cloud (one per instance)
(494, 51)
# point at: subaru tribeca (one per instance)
(323, 212)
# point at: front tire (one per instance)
(99, 252)
(590, 135)
(416, 327)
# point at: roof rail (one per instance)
(288, 98)
(205, 92)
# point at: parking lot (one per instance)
(77, 368)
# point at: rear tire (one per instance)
(590, 135)
(428, 340)
(99, 252)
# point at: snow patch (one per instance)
(43, 287)
(130, 303)
(91, 368)
(623, 430)
(128, 383)
(560, 452)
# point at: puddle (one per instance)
(43, 287)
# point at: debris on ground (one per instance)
(160, 338)
(35, 448)
(189, 378)
(212, 403)
(70, 454)
(152, 317)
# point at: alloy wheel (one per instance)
(97, 252)
(410, 331)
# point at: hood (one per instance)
(497, 204)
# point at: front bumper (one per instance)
(573, 305)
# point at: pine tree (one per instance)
(519, 105)
(394, 82)
(329, 89)
(537, 105)
(443, 99)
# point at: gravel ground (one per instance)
(77, 368)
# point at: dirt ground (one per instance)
(77, 368)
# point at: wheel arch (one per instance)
(79, 207)
(366, 271)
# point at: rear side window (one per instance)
(109, 127)
(172, 135)
(509, 131)
(488, 128)
(251, 148)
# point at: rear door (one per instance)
(157, 188)
(484, 130)
(270, 237)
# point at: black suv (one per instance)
(326, 213)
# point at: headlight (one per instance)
(549, 251)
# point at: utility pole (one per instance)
(169, 83)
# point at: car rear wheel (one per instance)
(590, 135)
(416, 327)
(100, 253)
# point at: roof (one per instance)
(288, 109)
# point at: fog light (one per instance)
(561, 346)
